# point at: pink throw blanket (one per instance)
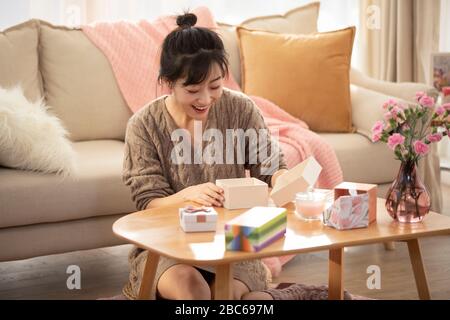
(133, 52)
(298, 143)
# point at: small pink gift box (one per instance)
(197, 219)
(343, 189)
(348, 212)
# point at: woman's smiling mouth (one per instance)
(199, 109)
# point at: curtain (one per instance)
(444, 46)
(398, 37)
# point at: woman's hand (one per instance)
(206, 194)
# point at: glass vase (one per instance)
(408, 200)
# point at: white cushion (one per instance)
(30, 137)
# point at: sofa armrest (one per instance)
(366, 108)
(402, 90)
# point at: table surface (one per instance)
(159, 230)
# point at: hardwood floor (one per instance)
(104, 271)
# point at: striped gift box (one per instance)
(255, 229)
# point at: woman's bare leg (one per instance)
(183, 282)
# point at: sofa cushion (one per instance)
(19, 59)
(306, 75)
(361, 160)
(80, 85)
(97, 189)
(299, 20)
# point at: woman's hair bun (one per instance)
(186, 20)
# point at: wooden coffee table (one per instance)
(158, 231)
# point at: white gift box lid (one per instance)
(297, 179)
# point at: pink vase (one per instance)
(408, 200)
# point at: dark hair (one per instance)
(190, 51)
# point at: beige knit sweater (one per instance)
(152, 167)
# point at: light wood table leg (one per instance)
(418, 268)
(389, 246)
(336, 274)
(149, 275)
(223, 290)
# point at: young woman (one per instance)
(194, 64)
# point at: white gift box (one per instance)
(297, 179)
(244, 193)
(198, 219)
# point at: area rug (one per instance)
(278, 286)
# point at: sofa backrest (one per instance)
(80, 86)
(77, 81)
(19, 63)
(75, 78)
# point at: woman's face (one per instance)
(197, 99)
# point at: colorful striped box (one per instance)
(255, 229)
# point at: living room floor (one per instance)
(104, 271)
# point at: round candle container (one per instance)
(310, 205)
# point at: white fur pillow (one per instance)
(31, 138)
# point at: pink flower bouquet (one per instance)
(409, 129)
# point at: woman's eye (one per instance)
(192, 91)
(215, 88)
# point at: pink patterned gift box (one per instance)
(348, 212)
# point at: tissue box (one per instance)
(343, 188)
(243, 193)
(348, 212)
(297, 179)
(197, 219)
(255, 229)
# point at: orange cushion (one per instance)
(306, 75)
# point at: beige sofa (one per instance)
(45, 214)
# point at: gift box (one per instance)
(348, 212)
(297, 179)
(243, 193)
(343, 189)
(255, 229)
(197, 219)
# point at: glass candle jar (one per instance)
(309, 205)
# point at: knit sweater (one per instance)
(160, 160)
